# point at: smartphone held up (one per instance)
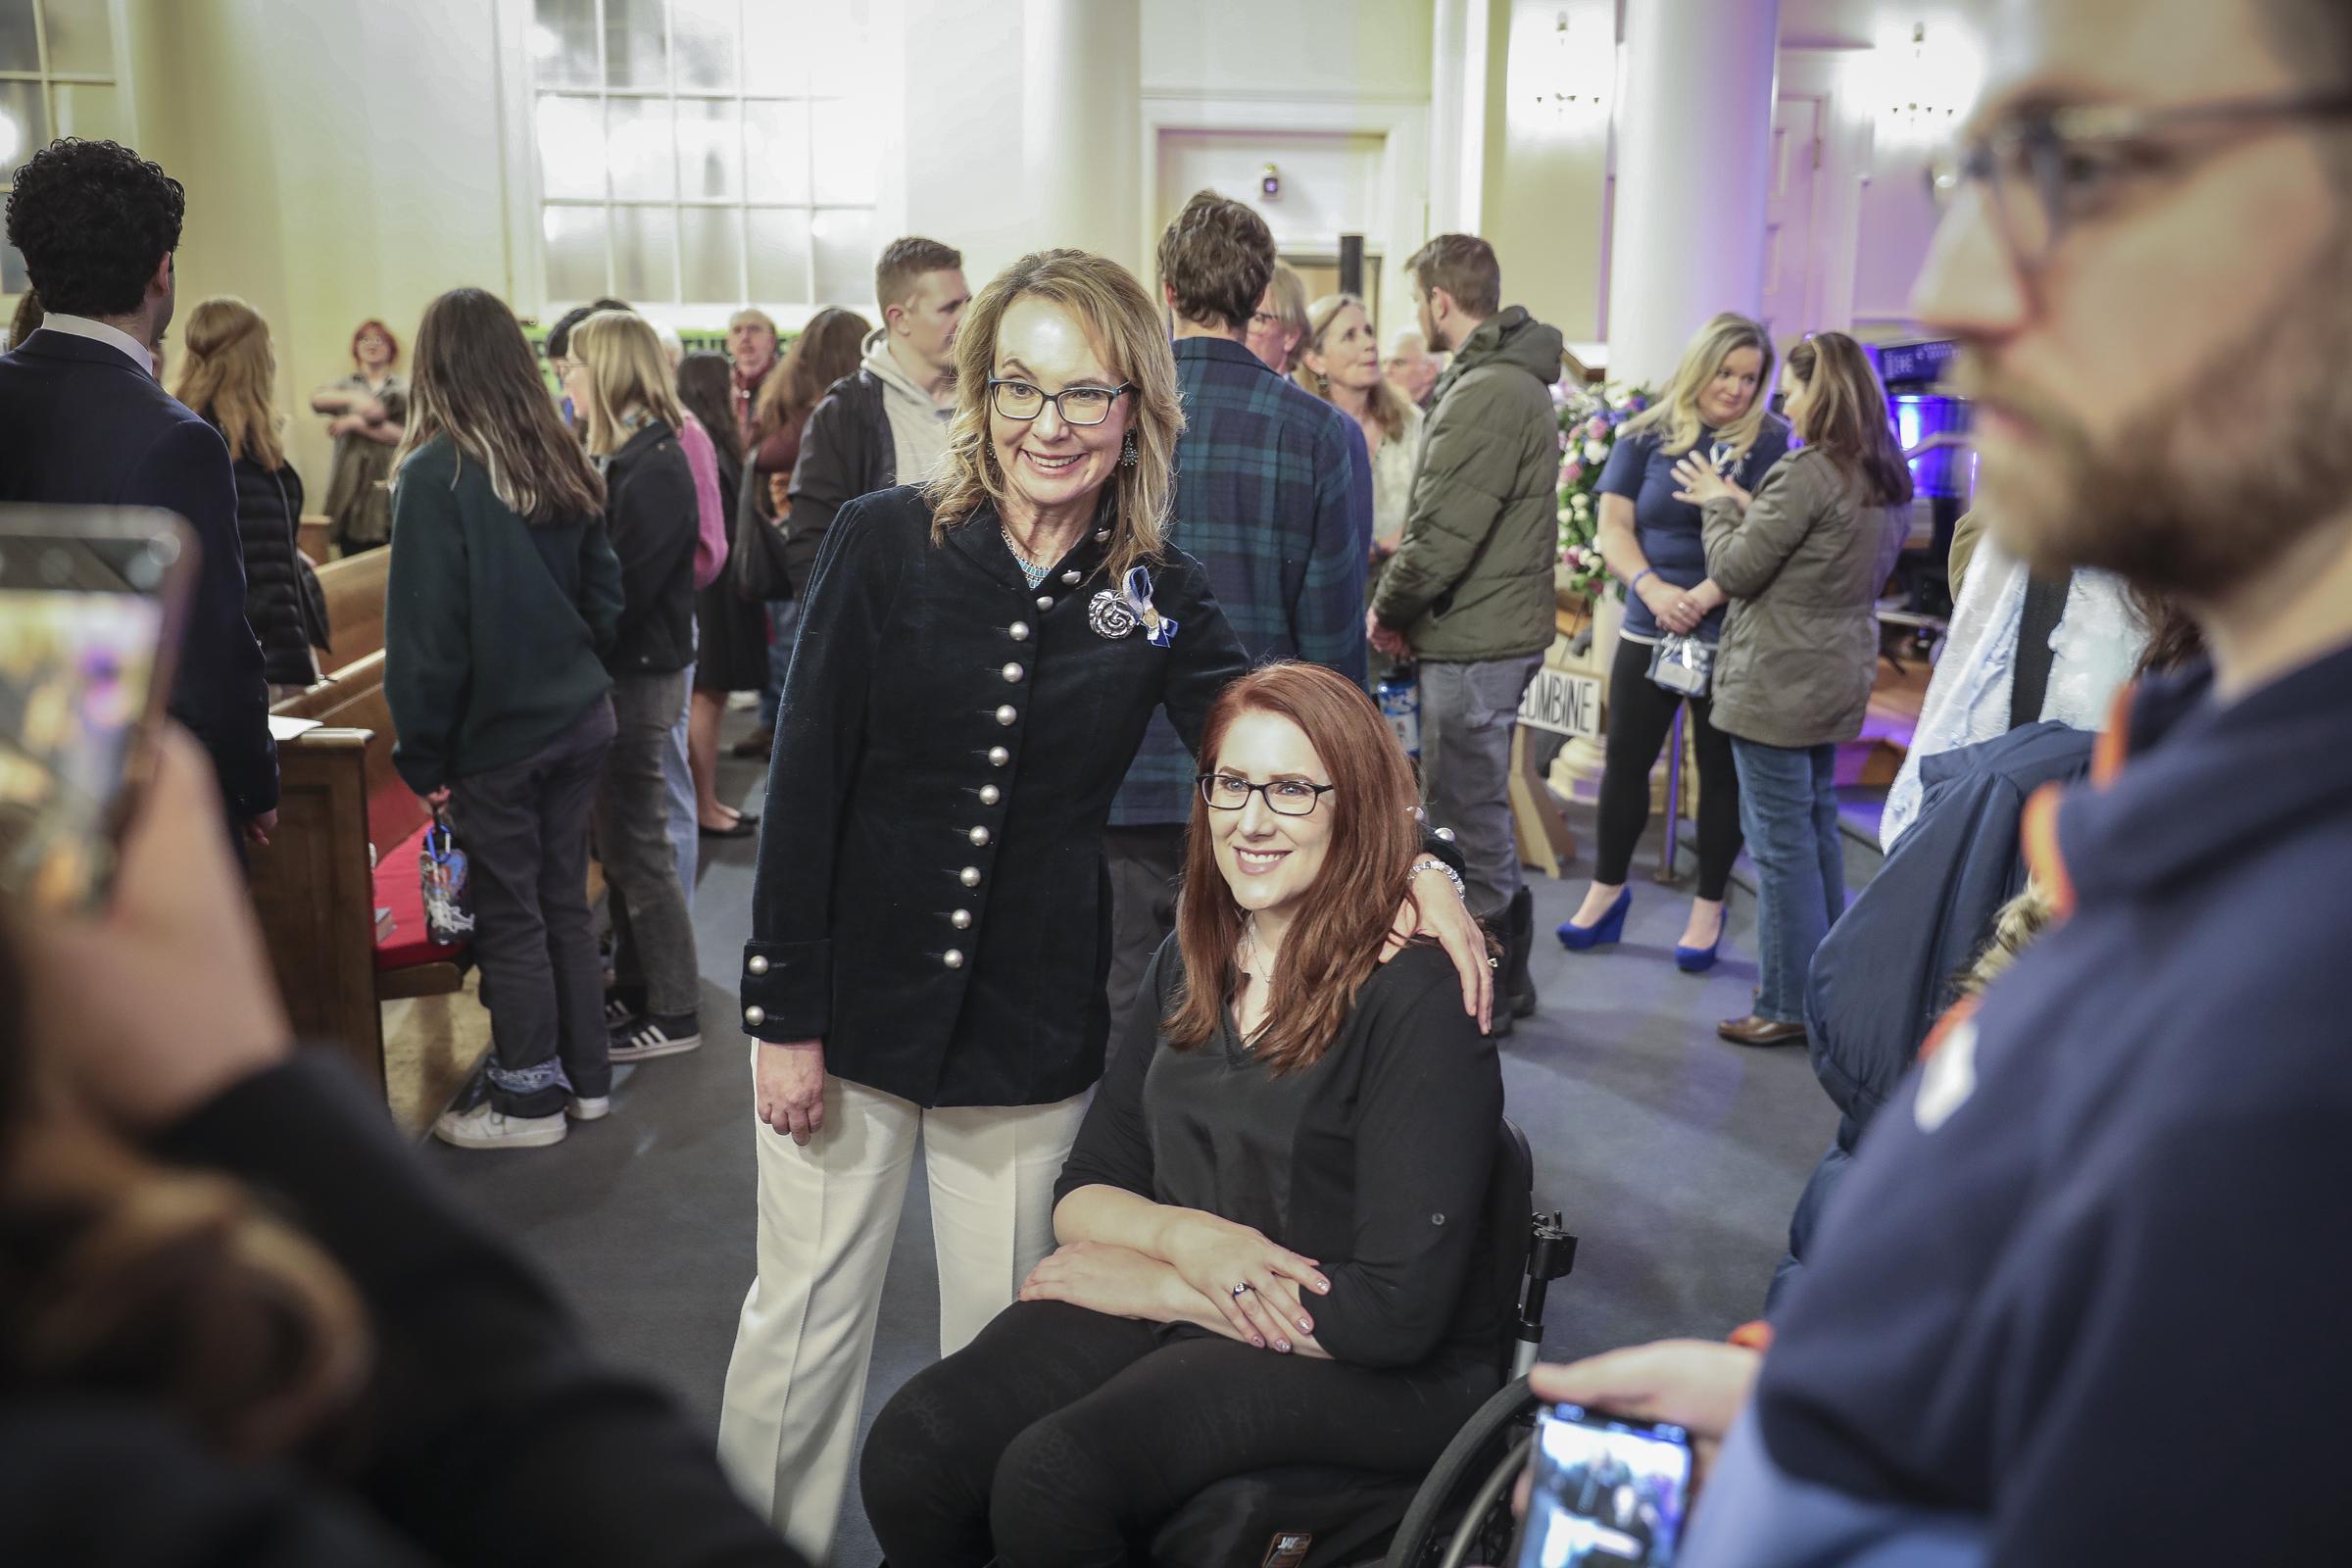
(1604, 1489)
(90, 602)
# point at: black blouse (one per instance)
(1374, 1161)
(931, 898)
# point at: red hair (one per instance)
(1335, 943)
(371, 324)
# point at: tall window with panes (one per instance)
(57, 78)
(704, 152)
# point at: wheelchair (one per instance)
(1327, 1516)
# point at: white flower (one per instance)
(1596, 451)
(1582, 502)
(1564, 515)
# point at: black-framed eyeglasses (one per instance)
(1077, 404)
(1285, 796)
(1259, 321)
(2049, 168)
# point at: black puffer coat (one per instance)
(282, 604)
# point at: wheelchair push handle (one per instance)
(1551, 1255)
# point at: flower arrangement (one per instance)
(1590, 420)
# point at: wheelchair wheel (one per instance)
(1462, 1514)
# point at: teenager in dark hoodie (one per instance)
(2100, 1241)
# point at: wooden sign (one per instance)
(1563, 701)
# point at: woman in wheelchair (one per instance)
(1271, 1223)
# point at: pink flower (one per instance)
(1571, 471)
(1597, 428)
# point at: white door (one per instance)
(1790, 298)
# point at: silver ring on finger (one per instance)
(1242, 1290)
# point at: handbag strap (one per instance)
(2030, 675)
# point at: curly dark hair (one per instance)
(93, 219)
(1218, 256)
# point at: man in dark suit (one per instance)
(86, 426)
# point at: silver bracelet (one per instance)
(1430, 862)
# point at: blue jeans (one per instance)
(783, 620)
(685, 825)
(1788, 812)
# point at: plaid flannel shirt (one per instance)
(1274, 498)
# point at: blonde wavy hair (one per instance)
(626, 369)
(1388, 404)
(228, 373)
(1123, 326)
(1676, 413)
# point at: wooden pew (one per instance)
(340, 799)
(312, 536)
(338, 796)
(354, 587)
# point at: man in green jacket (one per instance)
(1468, 593)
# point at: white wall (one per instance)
(1335, 94)
(1314, 48)
(341, 162)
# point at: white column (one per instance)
(1693, 150)
(1082, 124)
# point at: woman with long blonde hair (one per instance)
(618, 381)
(1803, 561)
(978, 659)
(1715, 405)
(229, 374)
(1340, 362)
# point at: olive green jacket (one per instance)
(1804, 568)
(1472, 578)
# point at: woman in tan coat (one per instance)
(1803, 562)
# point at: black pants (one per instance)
(525, 829)
(1640, 712)
(1060, 1436)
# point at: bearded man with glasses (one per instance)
(2097, 1243)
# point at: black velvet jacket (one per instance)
(931, 898)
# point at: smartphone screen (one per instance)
(86, 597)
(1604, 1491)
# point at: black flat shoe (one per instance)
(744, 829)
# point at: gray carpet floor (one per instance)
(1674, 1156)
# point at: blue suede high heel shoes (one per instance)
(1608, 928)
(1697, 961)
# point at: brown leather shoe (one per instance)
(1754, 1031)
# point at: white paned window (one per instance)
(700, 152)
(57, 78)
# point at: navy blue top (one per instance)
(2095, 1253)
(1668, 530)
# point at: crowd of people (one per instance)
(1088, 868)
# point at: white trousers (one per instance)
(795, 1384)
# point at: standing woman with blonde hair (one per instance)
(1803, 562)
(978, 659)
(1714, 408)
(1339, 361)
(618, 379)
(229, 374)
